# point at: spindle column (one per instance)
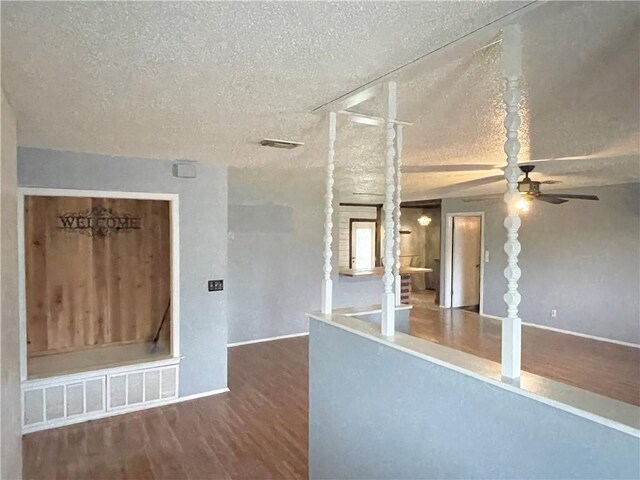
(388, 321)
(398, 201)
(511, 325)
(327, 285)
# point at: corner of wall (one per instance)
(10, 411)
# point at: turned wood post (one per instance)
(388, 322)
(398, 200)
(327, 286)
(512, 325)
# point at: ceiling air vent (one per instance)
(271, 142)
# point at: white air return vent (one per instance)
(78, 397)
(286, 144)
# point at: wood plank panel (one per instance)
(84, 291)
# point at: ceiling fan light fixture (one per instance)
(524, 204)
(525, 186)
(424, 220)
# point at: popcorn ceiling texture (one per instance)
(206, 81)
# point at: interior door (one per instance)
(465, 261)
(363, 244)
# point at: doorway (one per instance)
(464, 261)
(362, 244)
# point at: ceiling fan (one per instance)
(530, 190)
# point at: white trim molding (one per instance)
(174, 201)
(448, 253)
(40, 412)
(570, 332)
(268, 339)
(103, 375)
(195, 396)
(131, 409)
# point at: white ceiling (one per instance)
(207, 81)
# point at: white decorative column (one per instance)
(388, 322)
(398, 201)
(511, 325)
(327, 285)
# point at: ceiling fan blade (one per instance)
(578, 197)
(483, 198)
(481, 181)
(550, 182)
(471, 167)
(553, 199)
(460, 187)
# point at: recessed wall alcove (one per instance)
(97, 282)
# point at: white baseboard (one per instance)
(569, 332)
(270, 339)
(121, 411)
(492, 317)
(200, 395)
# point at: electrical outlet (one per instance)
(554, 313)
(215, 285)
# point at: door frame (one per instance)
(174, 214)
(376, 247)
(448, 257)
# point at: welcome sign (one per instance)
(98, 222)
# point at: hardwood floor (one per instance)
(606, 368)
(256, 431)
(259, 429)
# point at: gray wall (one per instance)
(203, 242)
(393, 415)
(581, 258)
(10, 408)
(276, 229)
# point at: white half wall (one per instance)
(10, 406)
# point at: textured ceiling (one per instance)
(580, 109)
(207, 81)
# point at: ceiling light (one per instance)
(523, 205)
(424, 220)
(272, 142)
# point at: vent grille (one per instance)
(286, 144)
